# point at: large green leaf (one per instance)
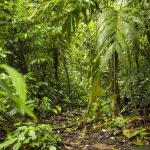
(130, 133)
(107, 55)
(106, 15)
(106, 35)
(20, 89)
(10, 141)
(18, 82)
(116, 28)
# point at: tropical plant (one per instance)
(117, 41)
(28, 135)
(19, 96)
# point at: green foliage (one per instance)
(20, 90)
(55, 45)
(130, 133)
(18, 82)
(115, 29)
(118, 30)
(3, 54)
(46, 107)
(120, 121)
(30, 135)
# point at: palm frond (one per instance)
(117, 29)
(106, 34)
(107, 14)
(107, 55)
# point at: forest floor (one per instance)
(79, 134)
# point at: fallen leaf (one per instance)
(100, 146)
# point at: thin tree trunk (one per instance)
(116, 104)
(64, 61)
(56, 66)
(67, 74)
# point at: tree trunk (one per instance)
(66, 70)
(56, 66)
(115, 104)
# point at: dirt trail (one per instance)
(77, 134)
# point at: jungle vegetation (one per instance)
(61, 57)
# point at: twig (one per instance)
(6, 117)
(79, 126)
